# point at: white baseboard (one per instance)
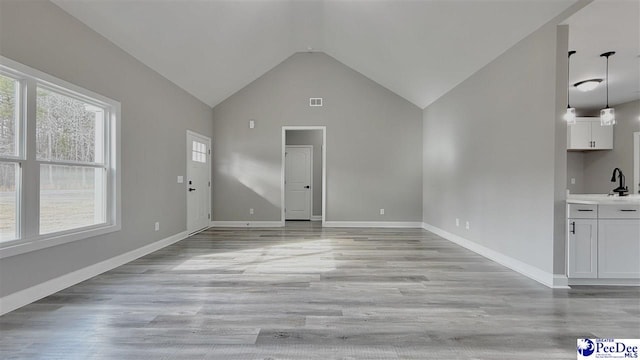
(244, 224)
(316, 218)
(373, 224)
(27, 296)
(560, 282)
(532, 272)
(611, 282)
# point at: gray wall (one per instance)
(598, 165)
(560, 151)
(155, 117)
(311, 137)
(490, 153)
(373, 143)
(575, 170)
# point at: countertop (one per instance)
(602, 199)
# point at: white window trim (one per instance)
(112, 159)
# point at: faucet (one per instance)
(621, 189)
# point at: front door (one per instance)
(297, 182)
(198, 182)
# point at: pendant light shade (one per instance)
(570, 114)
(607, 115)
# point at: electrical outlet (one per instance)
(573, 181)
(457, 222)
(180, 179)
(467, 226)
(381, 211)
(251, 211)
(157, 226)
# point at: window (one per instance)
(58, 161)
(70, 150)
(9, 166)
(199, 152)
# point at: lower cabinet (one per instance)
(618, 248)
(583, 248)
(603, 241)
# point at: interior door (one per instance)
(297, 182)
(198, 182)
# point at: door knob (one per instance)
(307, 187)
(192, 189)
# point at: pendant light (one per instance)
(570, 115)
(607, 115)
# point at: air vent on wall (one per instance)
(315, 101)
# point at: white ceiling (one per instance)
(213, 48)
(606, 25)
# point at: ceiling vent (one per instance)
(315, 101)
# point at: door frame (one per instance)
(310, 147)
(324, 168)
(636, 162)
(186, 180)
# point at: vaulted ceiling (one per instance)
(417, 49)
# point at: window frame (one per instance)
(28, 220)
(19, 156)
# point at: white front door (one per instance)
(198, 185)
(297, 182)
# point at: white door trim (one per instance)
(636, 162)
(311, 175)
(186, 182)
(324, 168)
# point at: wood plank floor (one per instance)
(304, 292)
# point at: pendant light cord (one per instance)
(607, 82)
(607, 54)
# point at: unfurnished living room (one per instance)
(319, 179)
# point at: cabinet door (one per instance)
(579, 135)
(602, 136)
(583, 248)
(618, 248)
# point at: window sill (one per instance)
(18, 247)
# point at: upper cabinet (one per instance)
(588, 134)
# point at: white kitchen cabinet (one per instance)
(619, 249)
(603, 241)
(588, 134)
(602, 136)
(583, 249)
(619, 241)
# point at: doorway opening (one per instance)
(198, 182)
(303, 178)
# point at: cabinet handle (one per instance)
(585, 209)
(573, 227)
(628, 210)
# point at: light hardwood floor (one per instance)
(304, 292)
